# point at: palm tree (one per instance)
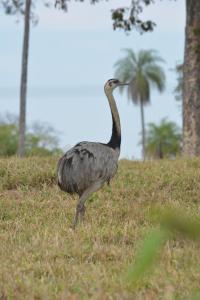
(143, 71)
(178, 91)
(163, 140)
(23, 83)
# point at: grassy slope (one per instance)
(41, 258)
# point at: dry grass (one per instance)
(41, 258)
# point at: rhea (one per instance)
(88, 165)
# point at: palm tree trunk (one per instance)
(23, 83)
(143, 129)
(160, 151)
(191, 82)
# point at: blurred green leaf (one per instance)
(147, 255)
(178, 221)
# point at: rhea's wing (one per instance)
(95, 160)
(84, 164)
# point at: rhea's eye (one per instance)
(116, 81)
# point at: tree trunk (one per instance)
(143, 129)
(191, 82)
(23, 83)
(160, 150)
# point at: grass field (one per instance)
(41, 258)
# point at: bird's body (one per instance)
(84, 164)
(88, 165)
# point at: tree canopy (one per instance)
(125, 17)
(143, 71)
(163, 140)
(41, 139)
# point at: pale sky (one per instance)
(72, 56)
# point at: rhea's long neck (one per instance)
(115, 140)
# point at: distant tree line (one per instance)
(127, 19)
(41, 139)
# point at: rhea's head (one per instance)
(111, 84)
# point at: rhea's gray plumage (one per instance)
(84, 164)
(88, 165)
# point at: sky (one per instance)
(73, 54)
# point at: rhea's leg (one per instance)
(82, 214)
(80, 209)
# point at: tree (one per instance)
(23, 83)
(24, 7)
(163, 140)
(8, 135)
(12, 7)
(178, 91)
(41, 139)
(8, 139)
(128, 18)
(125, 18)
(191, 81)
(143, 71)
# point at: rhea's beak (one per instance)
(124, 83)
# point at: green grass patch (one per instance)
(41, 258)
